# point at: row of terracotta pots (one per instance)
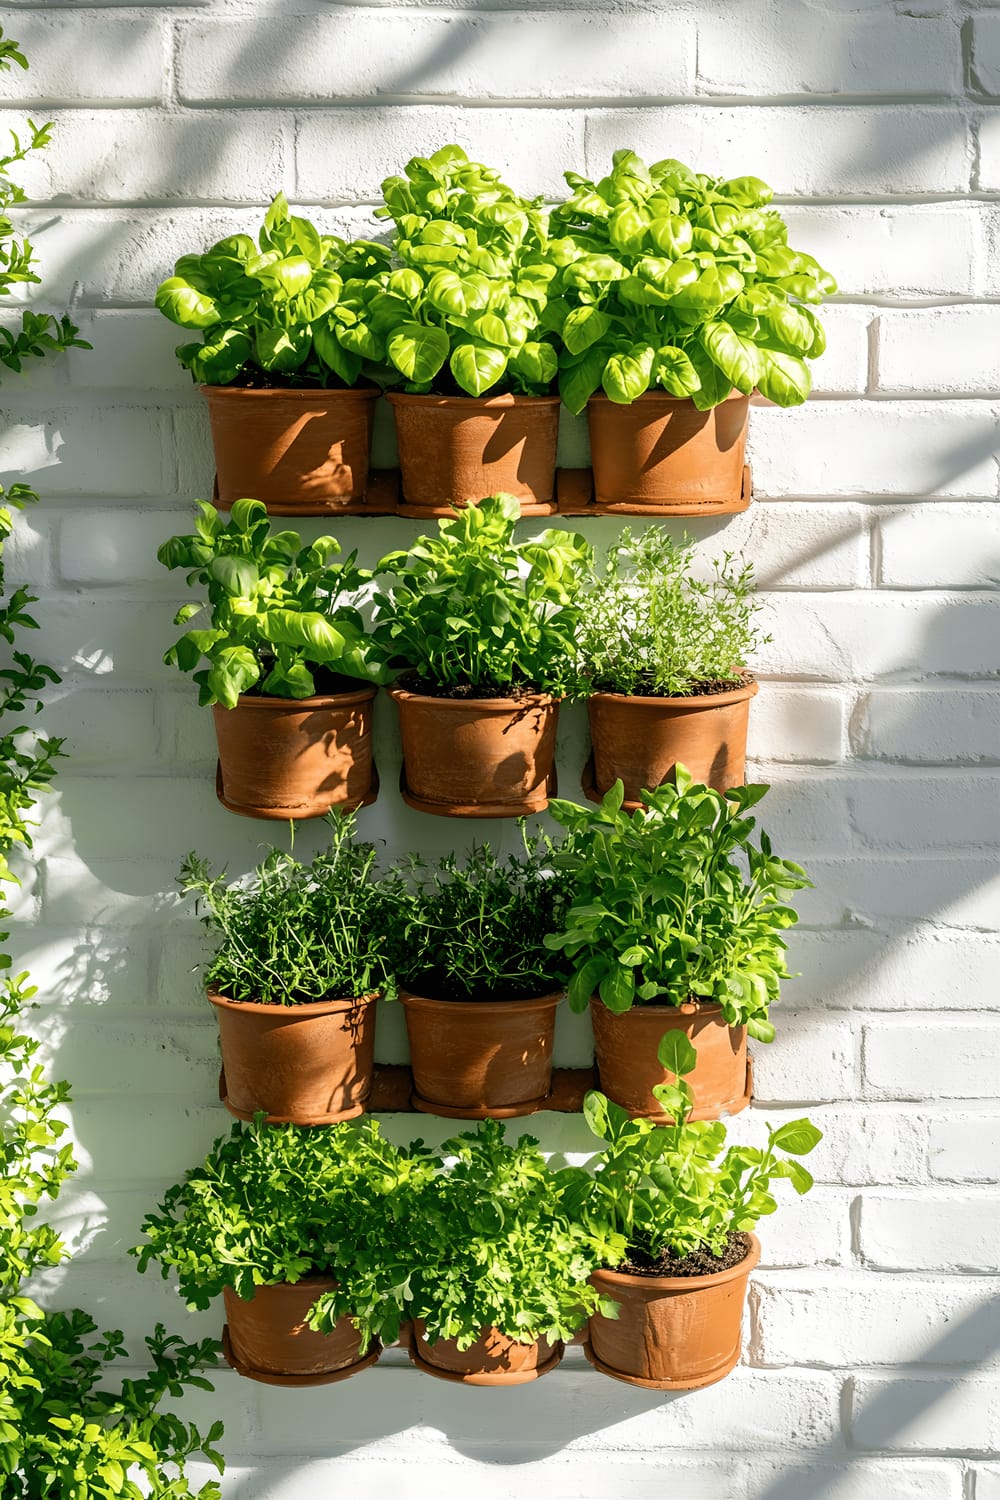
(313, 1064)
(671, 1333)
(482, 758)
(306, 452)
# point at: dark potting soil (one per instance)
(700, 687)
(252, 379)
(699, 1263)
(427, 688)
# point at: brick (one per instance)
(807, 1232)
(342, 155)
(820, 151)
(838, 636)
(101, 635)
(808, 546)
(188, 733)
(938, 350)
(174, 1058)
(956, 1060)
(939, 546)
(116, 1297)
(132, 351)
(805, 811)
(27, 552)
(856, 1479)
(823, 53)
(109, 546)
(810, 1060)
(376, 54)
(844, 448)
(931, 1233)
(873, 1320)
(936, 726)
(164, 1138)
(103, 729)
(136, 156)
(897, 250)
(926, 970)
(98, 1226)
(843, 369)
(833, 968)
(985, 55)
(113, 450)
(965, 1148)
(110, 892)
(955, 812)
(988, 174)
(957, 891)
(193, 454)
(92, 970)
(937, 1414)
(70, 64)
(987, 1481)
(798, 724)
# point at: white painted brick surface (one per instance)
(869, 1366)
(367, 54)
(931, 1233)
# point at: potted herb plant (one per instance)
(281, 362)
(484, 628)
(675, 924)
(498, 1274)
(478, 985)
(284, 661)
(665, 654)
(300, 963)
(275, 1218)
(677, 296)
(686, 1209)
(460, 319)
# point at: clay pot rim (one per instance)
(303, 1008)
(498, 705)
(507, 399)
(294, 392)
(658, 1284)
(363, 694)
(482, 1007)
(327, 1283)
(661, 397)
(686, 1007)
(690, 701)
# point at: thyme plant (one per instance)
(477, 931)
(298, 932)
(648, 626)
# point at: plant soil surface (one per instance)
(699, 687)
(251, 378)
(427, 688)
(327, 683)
(700, 1262)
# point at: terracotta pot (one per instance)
(296, 757)
(493, 1359)
(302, 452)
(453, 449)
(267, 1337)
(475, 1059)
(641, 740)
(672, 1333)
(308, 1064)
(626, 1047)
(477, 757)
(664, 454)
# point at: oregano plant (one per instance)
(64, 1435)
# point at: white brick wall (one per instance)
(870, 1364)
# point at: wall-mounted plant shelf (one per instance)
(392, 1090)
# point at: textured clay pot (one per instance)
(476, 1059)
(267, 1337)
(626, 1047)
(493, 1359)
(306, 1064)
(302, 452)
(641, 740)
(477, 757)
(296, 757)
(672, 1333)
(453, 449)
(664, 455)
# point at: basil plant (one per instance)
(285, 310)
(675, 281)
(461, 310)
(279, 613)
(675, 902)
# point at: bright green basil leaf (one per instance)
(183, 304)
(797, 1137)
(583, 327)
(783, 379)
(737, 358)
(580, 376)
(476, 366)
(627, 375)
(343, 362)
(233, 671)
(282, 349)
(219, 360)
(418, 352)
(673, 370)
(536, 363)
(671, 235)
